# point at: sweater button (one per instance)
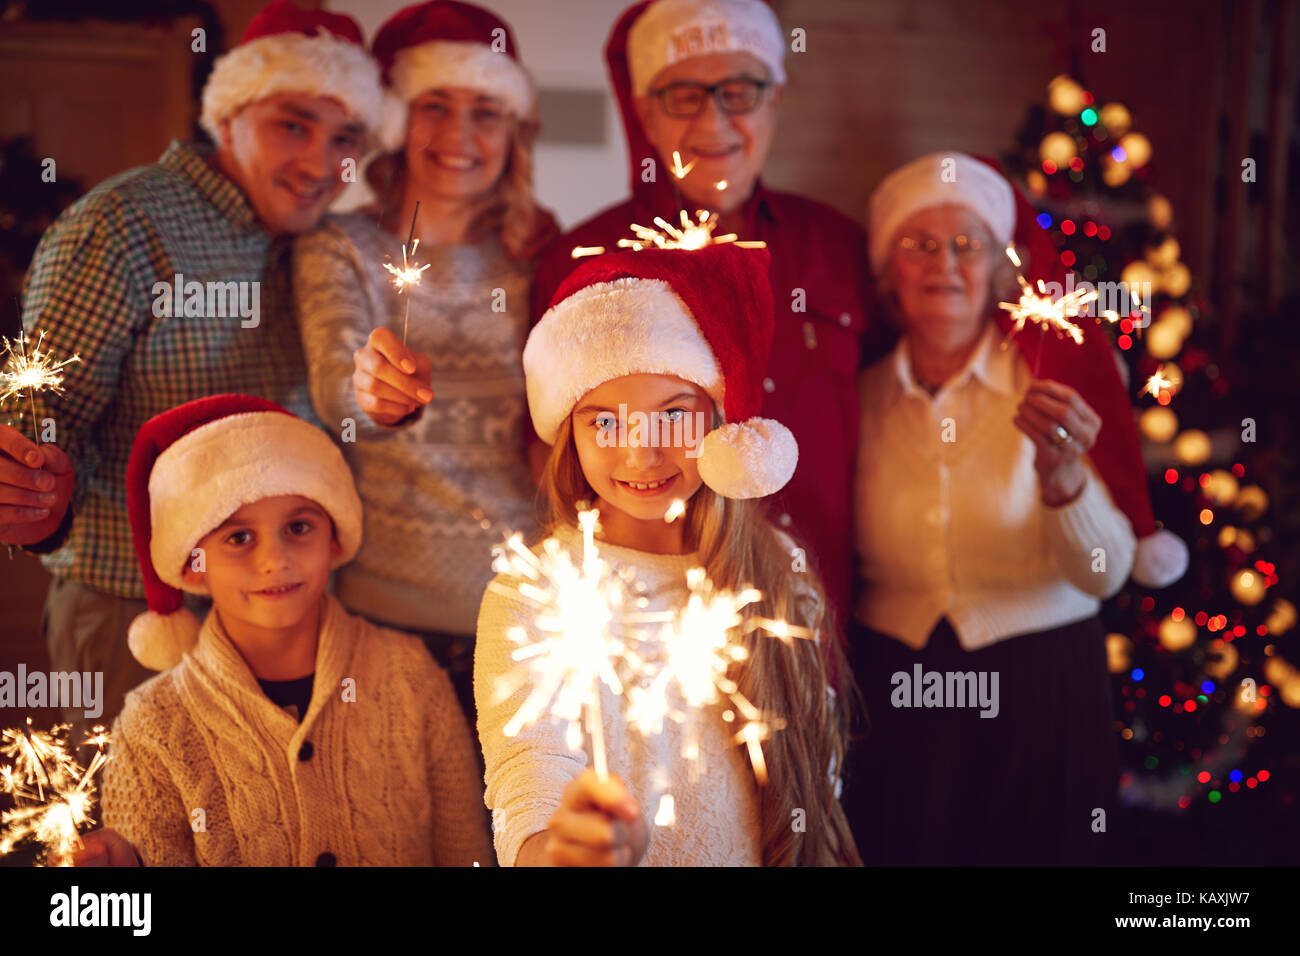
(784, 520)
(306, 750)
(845, 319)
(327, 859)
(769, 386)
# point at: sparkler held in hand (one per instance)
(31, 372)
(580, 612)
(53, 796)
(409, 274)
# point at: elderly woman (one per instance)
(987, 540)
(433, 428)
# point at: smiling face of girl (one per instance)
(457, 143)
(637, 439)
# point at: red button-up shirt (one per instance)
(820, 285)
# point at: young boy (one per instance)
(285, 731)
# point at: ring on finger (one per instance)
(1060, 435)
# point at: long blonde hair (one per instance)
(738, 547)
(511, 213)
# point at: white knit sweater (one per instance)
(389, 778)
(715, 799)
(948, 514)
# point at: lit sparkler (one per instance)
(1157, 383)
(679, 170)
(690, 234)
(53, 795)
(409, 274)
(1040, 308)
(32, 371)
(702, 642)
(584, 642)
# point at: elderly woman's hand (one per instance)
(1063, 429)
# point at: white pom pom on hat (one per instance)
(702, 315)
(194, 466)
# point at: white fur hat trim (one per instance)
(673, 30)
(607, 330)
(455, 63)
(321, 65)
(932, 180)
(236, 460)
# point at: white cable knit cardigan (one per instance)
(387, 779)
(715, 800)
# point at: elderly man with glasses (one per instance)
(699, 83)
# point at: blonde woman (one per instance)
(434, 428)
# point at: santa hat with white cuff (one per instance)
(673, 30)
(447, 43)
(703, 315)
(287, 50)
(194, 466)
(1089, 367)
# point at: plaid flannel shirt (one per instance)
(90, 288)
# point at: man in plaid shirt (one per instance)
(171, 282)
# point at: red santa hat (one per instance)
(670, 31)
(1089, 368)
(445, 43)
(287, 50)
(702, 315)
(194, 466)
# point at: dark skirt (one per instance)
(942, 785)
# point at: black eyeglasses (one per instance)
(734, 95)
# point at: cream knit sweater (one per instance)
(386, 778)
(715, 799)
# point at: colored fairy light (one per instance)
(1044, 220)
(1118, 154)
(1137, 673)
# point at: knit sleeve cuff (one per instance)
(1091, 540)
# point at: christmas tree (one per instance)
(1206, 688)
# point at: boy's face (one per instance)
(268, 564)
(641, 461)
(286, 153)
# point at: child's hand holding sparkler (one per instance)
(599, 823)
(1063, 428)
(36, 483)
(103, 847)
(390, 380)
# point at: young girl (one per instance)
(684, 335)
